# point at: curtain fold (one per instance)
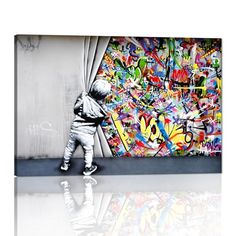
(94, 49)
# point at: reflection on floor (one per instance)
(119, 205)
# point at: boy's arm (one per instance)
(79, 101)
(103, 108)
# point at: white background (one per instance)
(184, 18)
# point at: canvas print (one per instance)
(81, 97)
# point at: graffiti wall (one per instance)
(166, 96)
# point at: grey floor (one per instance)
(128, 166)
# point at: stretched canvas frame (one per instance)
(160, 87)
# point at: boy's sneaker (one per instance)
(65, 166)
(89, 170)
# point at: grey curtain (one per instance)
(94, 49)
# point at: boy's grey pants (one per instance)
(85, 140)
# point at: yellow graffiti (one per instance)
(203, 88)
(208, 53)
(175, 133)
(195, 66)
(219, 83)
(108, 59)
(147, 130)
(218, 116)
(123, 135)
(151, 132)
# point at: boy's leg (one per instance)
(87, 142)
(88, 158)
(88, 155)
(69, 150)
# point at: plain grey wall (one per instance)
(48, 82)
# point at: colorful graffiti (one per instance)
(166, 96)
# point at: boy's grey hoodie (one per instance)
(88, 114)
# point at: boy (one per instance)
(88, 115)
